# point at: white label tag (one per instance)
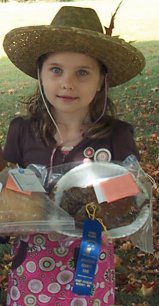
(26, 180)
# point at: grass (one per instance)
(137, 102)
(14, 86)
(138, 98)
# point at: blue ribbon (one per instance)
(88, 257)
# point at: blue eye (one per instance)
(56, 70)
(82, 72)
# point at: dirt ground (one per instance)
(136, 19)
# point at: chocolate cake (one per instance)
(118, 213)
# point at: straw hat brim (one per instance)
(24, 46)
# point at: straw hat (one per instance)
(73, 29)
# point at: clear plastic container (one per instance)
(21, 213)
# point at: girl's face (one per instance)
(70, 81)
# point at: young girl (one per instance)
(70, 118)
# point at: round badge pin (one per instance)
(102, 155)
(88, 152)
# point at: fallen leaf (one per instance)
(11, 91)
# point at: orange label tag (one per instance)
(116, 188)
(10, 184)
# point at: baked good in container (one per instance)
(118, 213)
(16, 206)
